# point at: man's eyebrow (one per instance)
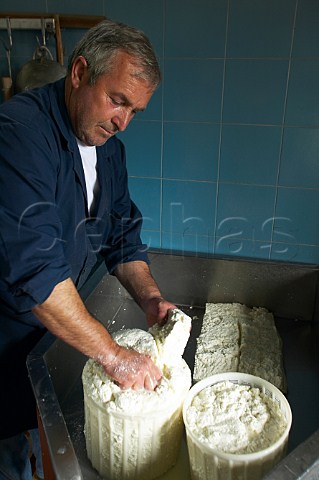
(127, 102)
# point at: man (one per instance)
(65, 203)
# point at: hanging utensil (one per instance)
(7, 81)
(42, 69)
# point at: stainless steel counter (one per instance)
(290, 291)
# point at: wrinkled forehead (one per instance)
(135, 66)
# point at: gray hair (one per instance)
(101, 43)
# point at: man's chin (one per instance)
(103, 136)
(100, 141)
(97, 140)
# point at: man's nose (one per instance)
(122, 119)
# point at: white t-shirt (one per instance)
(89, 159)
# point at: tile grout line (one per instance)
(282, 130)
(214, 233)
(162, 122)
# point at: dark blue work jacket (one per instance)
(46, 232)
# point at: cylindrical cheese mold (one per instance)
(132, 447)
(207, 463)
(129, 442)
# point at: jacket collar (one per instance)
(60, 113)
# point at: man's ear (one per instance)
(79, 71)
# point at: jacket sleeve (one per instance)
(124, 242)
(32, 259)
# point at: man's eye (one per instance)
(118, 103)
(113, 100)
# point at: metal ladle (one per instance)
(42, 69)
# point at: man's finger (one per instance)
(149, 382)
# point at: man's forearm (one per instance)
(137, 279)
(65, 315)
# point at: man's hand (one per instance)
(131, 369)
(156, 310)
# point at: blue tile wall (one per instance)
(255, 91)
(303, 94)
(143, 160)
(250, 154)
(299, 159)
(259, 28)
(245, 211)
(225, 159)
(190, 151)
(192, 89)
(188, 207)
(143, 14)
(296, 211)
(151, 189)
(195, 29)
(306, 39)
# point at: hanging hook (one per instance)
(9, 31)
(42, 52)
(7, 81)
(43, 32)
(9, 47)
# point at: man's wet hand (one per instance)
(130, 369)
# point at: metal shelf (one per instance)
(51, 23)
(33, 21)
(28, 23)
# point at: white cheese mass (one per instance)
(136, 434)
(236, 338)
(235, 419)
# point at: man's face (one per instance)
(99, 111)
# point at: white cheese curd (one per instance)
(172, 337)
(136, 434)
(236, 338)
(101, 388)
(235, 419)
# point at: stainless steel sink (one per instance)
(290, 291)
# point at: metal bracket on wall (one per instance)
(29, 23)
(51, 22)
